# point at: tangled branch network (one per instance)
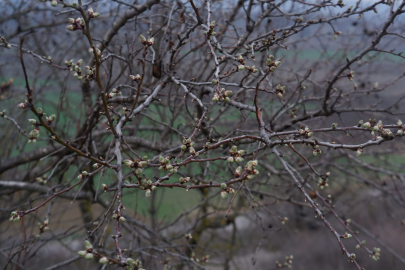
(202, 134)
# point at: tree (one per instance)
(202, 134)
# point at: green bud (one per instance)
(103, 260)
(139, 172)
(228, 93)
(89, 256)
(234, 149)
(88, 245)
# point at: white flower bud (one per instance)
(129, 163)
(142, 164)
(238, 171)
(352, 256)
(147, 193)
(22, 105)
